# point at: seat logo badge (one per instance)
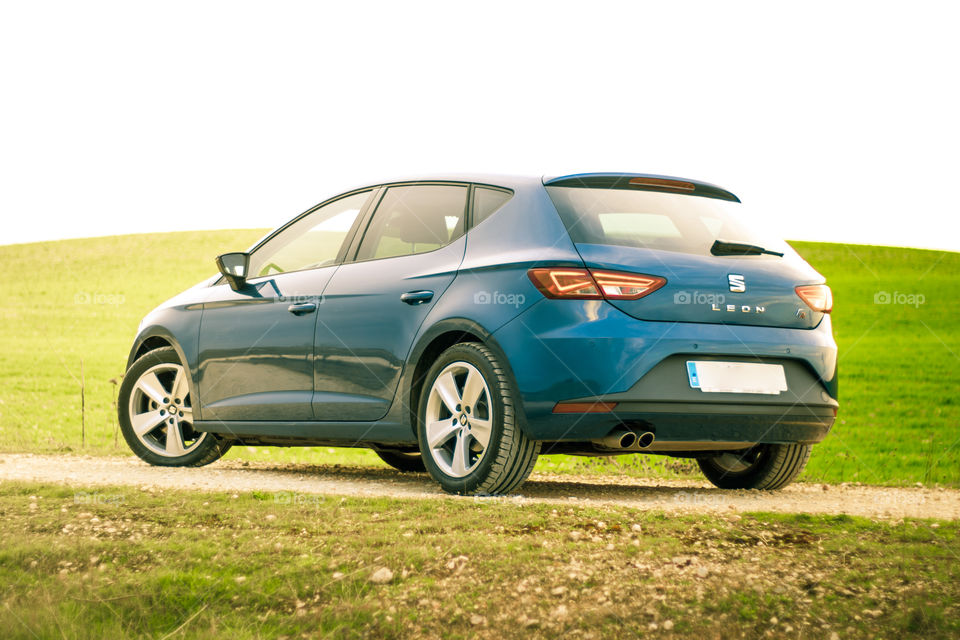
(737, 284)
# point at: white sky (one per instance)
(838, 121)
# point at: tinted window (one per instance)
(486, 201)
(414, 219)
(647, 219)
(311, 242)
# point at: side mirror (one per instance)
(234, 268)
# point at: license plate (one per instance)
(712, 376)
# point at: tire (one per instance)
(403, 461)
(766, 466)
(479, 449)
(156, 377)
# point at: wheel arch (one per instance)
(158, 338)
(146, 345)
(428, 348)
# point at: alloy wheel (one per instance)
(161, 413)
(458, 419)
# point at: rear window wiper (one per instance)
(723, 248)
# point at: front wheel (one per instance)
(155, 409)
(766, 466)
(469, 432)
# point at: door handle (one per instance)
(302, 309)
(417, 297)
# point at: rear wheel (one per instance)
(766, 466)
(155, 408)
(402, 460)
(470, 437)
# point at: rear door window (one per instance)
(414, 219)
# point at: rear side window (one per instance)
(652, 220)
(414, 219)
(486, 201)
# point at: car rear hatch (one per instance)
(692, 234)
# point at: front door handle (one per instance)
(302, 309)
(417, 297)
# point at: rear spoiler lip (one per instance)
(622, 181)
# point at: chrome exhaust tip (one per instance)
(645, 439)
(618, 439)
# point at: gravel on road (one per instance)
(237, 476)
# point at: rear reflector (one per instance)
(584, 407)
(817, 296)
(593, 284)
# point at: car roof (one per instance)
(610, 180)
(493, 179)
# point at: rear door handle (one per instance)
(417, 297)
(302, 309)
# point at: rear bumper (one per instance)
(584, 353)
(680, 427)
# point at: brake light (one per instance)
(817, 296)
(565, 283)
(666, 183)
(593, 284)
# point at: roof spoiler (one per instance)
(641, 182)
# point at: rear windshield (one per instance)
(651, 220)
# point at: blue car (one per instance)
(465, 325)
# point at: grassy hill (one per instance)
(70, 310)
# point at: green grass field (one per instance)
(79, 301)
(127, 563)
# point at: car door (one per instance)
(374, 305)
(256, 344)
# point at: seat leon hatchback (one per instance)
(464, 325)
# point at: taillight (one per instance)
(817, 296)
(593, 284)
(565, 283)
(626, 286)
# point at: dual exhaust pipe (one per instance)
(621, 438)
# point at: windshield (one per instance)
(651, 220)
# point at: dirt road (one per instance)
(235, 476)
